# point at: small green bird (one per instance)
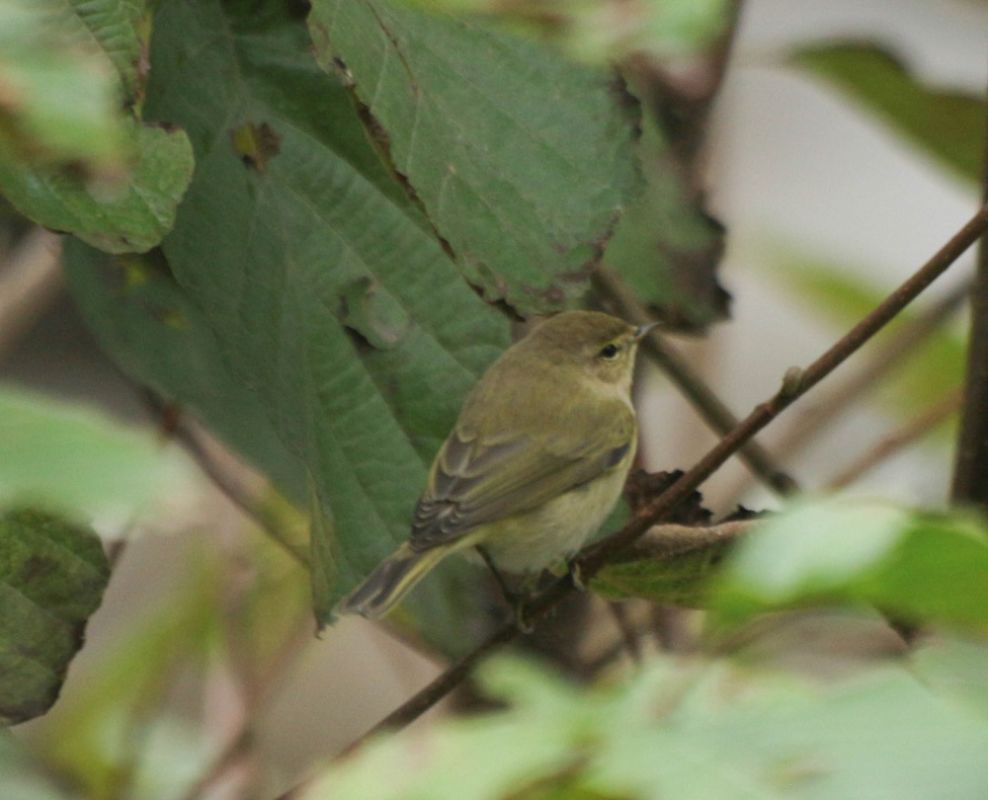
(535, 463)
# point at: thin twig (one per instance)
(897, 440)
(830, 405)
(796, 384)
(971, 463)
(717, 415)
(886, 357)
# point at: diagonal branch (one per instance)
(971, 465)
(717, 415)
(914, 430)
(796, 384)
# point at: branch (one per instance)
(971, 465)
(717, 415)
(796, 384)
(882, 361)
(912, 431)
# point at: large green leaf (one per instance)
(63, 456)
(324, 297)
(72, 161)
(153, 330)
(52, 577)
(949, 125)
(522, 160)
(922, 567)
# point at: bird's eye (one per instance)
(609, 351)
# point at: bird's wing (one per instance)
(475, 481)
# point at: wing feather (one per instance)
(477, 479)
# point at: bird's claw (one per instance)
(576, 575)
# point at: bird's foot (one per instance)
(576, 575)
(522, 620)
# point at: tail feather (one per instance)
(390, 581)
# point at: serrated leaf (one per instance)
(949, 125)
(280, 263)
(153, 330)
(922, 567)
(63, 456)
(522, 160)
(128, 217)
(52, 577)
(89, 737)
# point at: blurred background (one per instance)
(808, 181)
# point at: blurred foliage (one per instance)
(117, 728)
(837, 294)
(130, 214)
(24, 776)
(690, 731)
(948, 125)
(60, 96)
(604, 31)
(71, 158)
(917, 566)
(52, 577)
(59, 455)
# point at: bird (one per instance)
(534, 464)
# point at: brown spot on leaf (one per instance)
(256, 145)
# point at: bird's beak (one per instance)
(641, 330)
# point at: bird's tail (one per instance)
(391, 580)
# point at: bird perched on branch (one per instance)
(535, 463)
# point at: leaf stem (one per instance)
(971, 463)
(914, 430)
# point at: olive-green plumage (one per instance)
(535, 463)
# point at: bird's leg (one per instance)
(515, 601)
